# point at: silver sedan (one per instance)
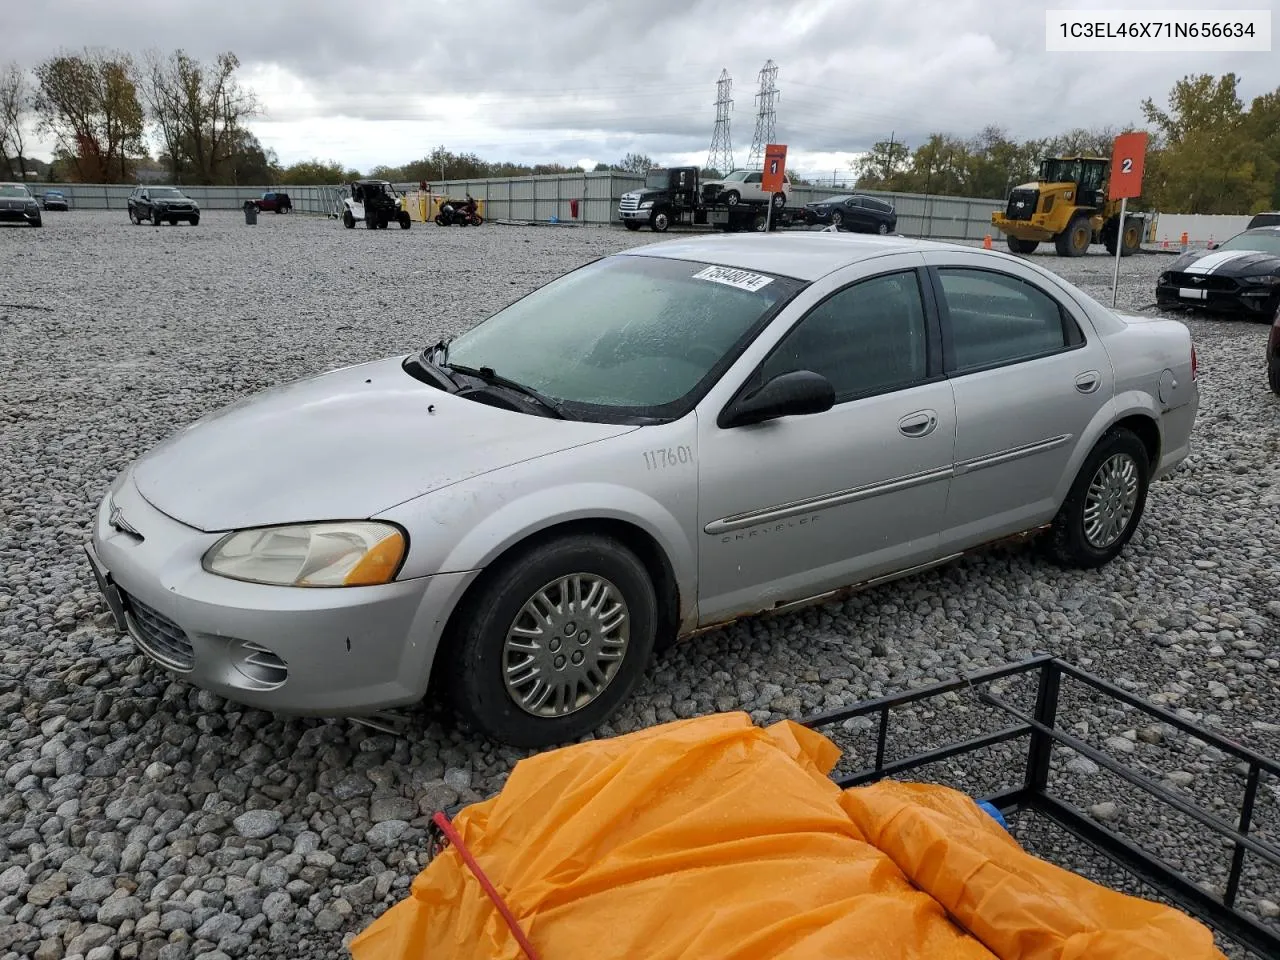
(661, 441)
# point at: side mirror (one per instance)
(1212, 245)
(791, 394)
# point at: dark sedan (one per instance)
(55, 200)
(855, 212)
(1238, 276)
(17, 205)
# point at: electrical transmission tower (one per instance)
(720, 156)
(765, 115)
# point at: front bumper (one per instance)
(1257, 302)
(320, 651)
(19, 216)
(638, 215)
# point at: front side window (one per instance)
(868, 338)
(996, 318)
(755, 178)
(626, 336)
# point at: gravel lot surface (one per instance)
(141, 818)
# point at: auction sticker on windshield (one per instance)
(742, 279)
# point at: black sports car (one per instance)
(17, 205)
(1240, 276)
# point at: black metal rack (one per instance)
(1039, 726)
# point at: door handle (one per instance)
(919, 424)
(1088, 381)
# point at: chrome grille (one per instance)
(629, 203)
(158, 636)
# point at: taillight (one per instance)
(1195, 365)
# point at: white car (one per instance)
(743, 186)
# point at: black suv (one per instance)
(853, 212)
(162, 203)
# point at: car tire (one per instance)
(1273, 373)
(348, 220)
(481, 655)
(660, 221)
(1113, 480)
(883, 229)
(404, 221)
(133, 217)
(38, 222)
(1075, 239)
(195, 221)
(631, 224)
(730, 198)
(1017, 245)
(837, 218)
(155, 219)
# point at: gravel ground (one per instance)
(141, 818)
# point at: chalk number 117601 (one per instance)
(667, 457)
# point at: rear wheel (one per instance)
(837, 218)
(1074, 241)
(1017, 245)
(553, 640)
(133, 217)
(1104, 505)
(195, 221)
(731, 198)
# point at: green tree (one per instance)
(314, 171)
(884, 165)
(89, 103)
(1210, 158)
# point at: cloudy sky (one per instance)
(589, 80)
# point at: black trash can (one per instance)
(250, 212)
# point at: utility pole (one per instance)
(889, 163)
(766, 115)
(720, 156)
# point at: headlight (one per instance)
(647, 203)
(355, 554)
(1265, 279)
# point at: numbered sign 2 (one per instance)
(1127, 157)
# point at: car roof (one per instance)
(807, 255)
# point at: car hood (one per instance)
(342, 445)
(13, 203)
(1229, 263)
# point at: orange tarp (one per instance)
(714, 838)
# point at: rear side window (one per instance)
(999, 319)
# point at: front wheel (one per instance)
(195, 221)
(553, 641)
(404, 221)
(1104, 505)
(631, 224)
(348, 220)
(1074, 241)
(883, 229)
(133, 217)
(660, 221)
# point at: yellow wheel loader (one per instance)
(1068, 204)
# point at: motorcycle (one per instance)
(463, 214)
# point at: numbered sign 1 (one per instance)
(775, 165)
(1127, 157)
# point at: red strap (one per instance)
(513, 925)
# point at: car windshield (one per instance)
(13, 190)
(1268, 242)
(738, 175)
(626, 336)
(164, 192)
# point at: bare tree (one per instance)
(15, 104)
(199, 111)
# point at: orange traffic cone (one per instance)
(1184, 241)
(986, 242)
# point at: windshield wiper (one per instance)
(487, 375)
